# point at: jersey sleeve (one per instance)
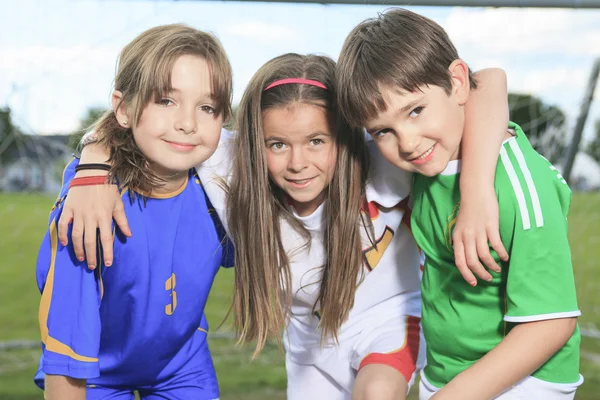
(228, 254)
(69, 312)
(534, 202)
(215, 174)
(387, 184)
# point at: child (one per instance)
(140, 324)
(319, 251)
(515, 337)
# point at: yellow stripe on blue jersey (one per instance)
(50, 343)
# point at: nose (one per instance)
(408, 142)
(298, 160)
(186, 121)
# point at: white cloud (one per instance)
(521, 31)
(64, 59)
(262, 31)
(546, 52)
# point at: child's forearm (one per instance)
(526, 348)
(58, 387)
(94, 153)
(91, 154)
(486, 123)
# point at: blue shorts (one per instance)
(196, 380)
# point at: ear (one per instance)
(120, 109)
(459, 74)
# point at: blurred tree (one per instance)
(9, 135)
(593, 148)
(543, 124)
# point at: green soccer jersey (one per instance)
(462, 323)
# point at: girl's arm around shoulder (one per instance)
(91, 208)
(486, 122)
(58, 387)
(517, 356)
(215, 174)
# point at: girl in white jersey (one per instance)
(321, 248)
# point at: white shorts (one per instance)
(530, 388)
(397, 343)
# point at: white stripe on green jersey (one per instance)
(514, 180)
(537, 208)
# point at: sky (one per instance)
(58, 57)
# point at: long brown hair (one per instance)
(144, 74)
(262, 298)
(400, 50)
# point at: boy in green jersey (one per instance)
(516, 336)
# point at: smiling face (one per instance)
(181, 128)
(301, 153)
(421, 131)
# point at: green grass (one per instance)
(24, 219)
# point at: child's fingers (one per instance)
(121, 218)
(89, 241)
(63, 226)
(473, 261)
(461, 263)
(77, 238)
(107, 240)
(483, 251)
(497, 245)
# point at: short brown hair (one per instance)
(399, 49)
(144, 74)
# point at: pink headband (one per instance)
(296, 80)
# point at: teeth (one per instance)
(301, 182)
(428, 152)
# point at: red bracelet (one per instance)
(89, 180)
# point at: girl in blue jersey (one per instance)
(140, 325)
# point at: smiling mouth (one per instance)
(300, 182)
(424, 157)
(180, 146)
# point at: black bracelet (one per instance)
(83, 167)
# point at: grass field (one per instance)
(24, 220)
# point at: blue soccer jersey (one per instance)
(141, 321)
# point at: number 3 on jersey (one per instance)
(170, 285)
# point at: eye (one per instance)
(208, 109)
(379, 134)
(416, 112)
(277, 146)
(164, 102)
(316, 142)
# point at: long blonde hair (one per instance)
(144, 74)
(262, 299)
